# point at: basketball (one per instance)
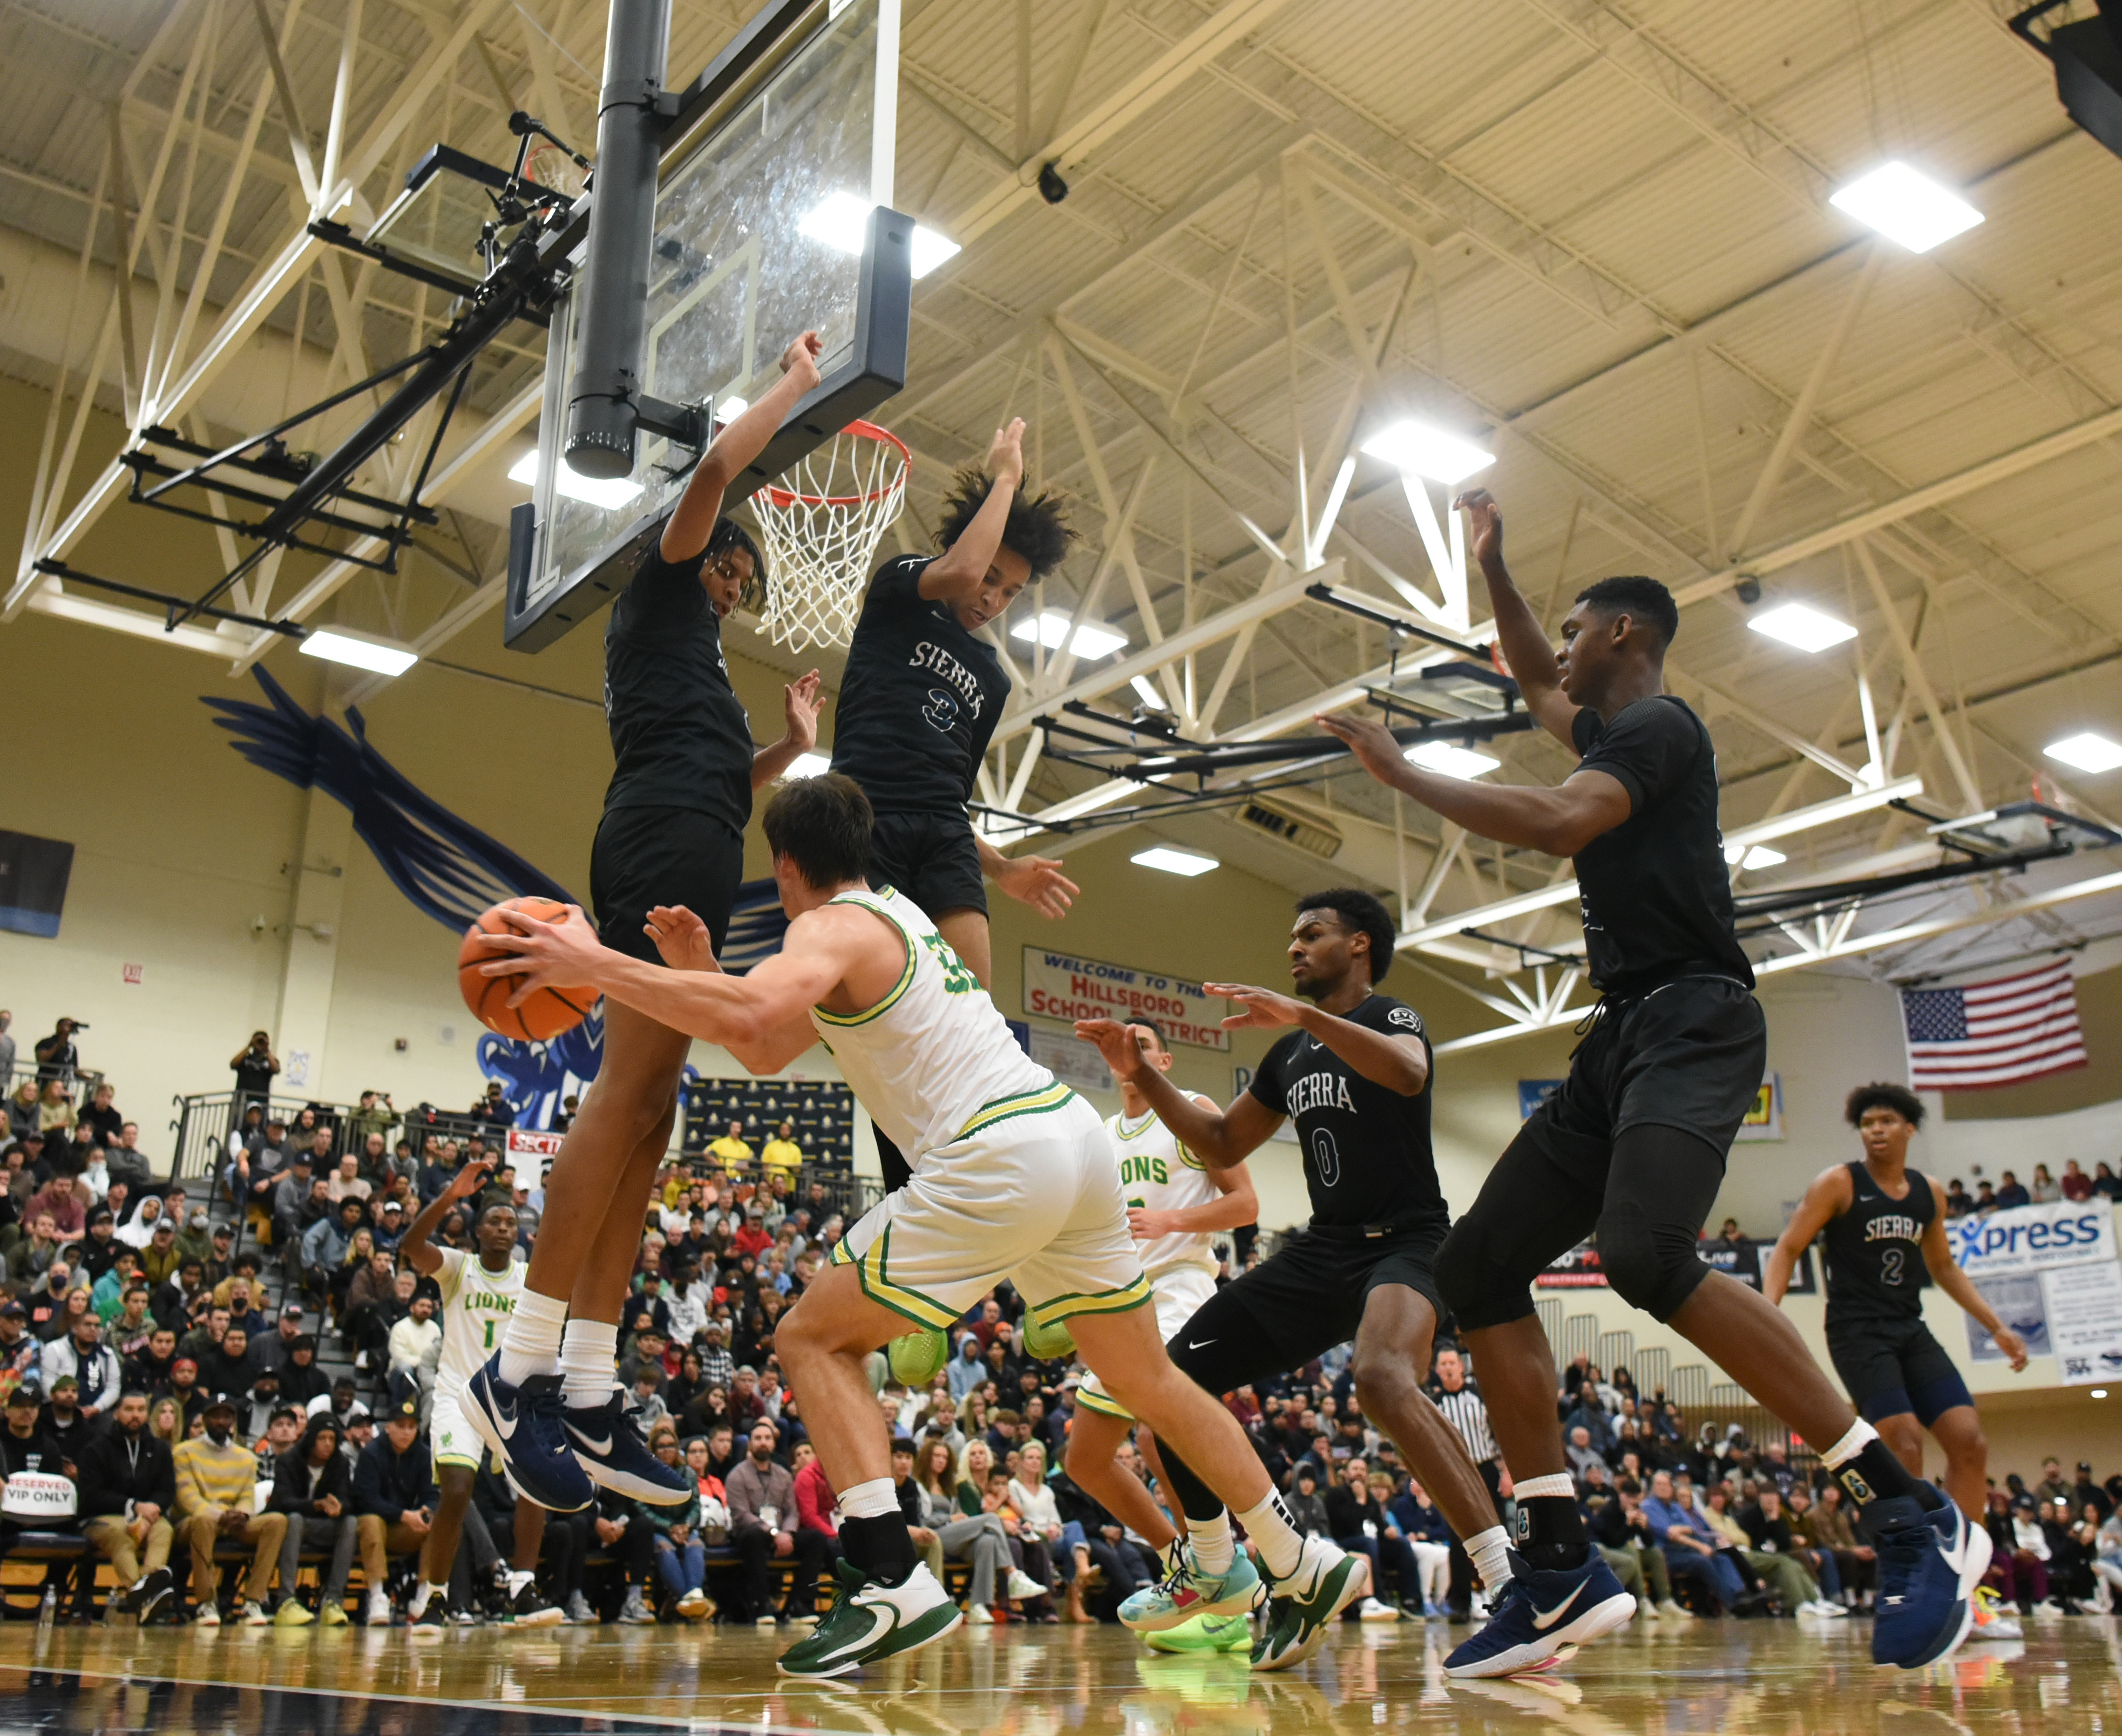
(1049, 1341)
(546, 1013)
(918, 1357)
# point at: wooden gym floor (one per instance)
(1730, 1679)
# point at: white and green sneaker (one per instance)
(1187, 1592)
(1303, 1605)
(869, 1621)
(1204, 1633)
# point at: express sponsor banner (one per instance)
(1060, 985)
(2033, 1238)
(532, 1154)
(2083, 1304)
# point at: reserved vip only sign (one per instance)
(1060, 985)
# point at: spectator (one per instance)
(128, 1489)
(681, 1554)
(2010, 1195)
(2044, 1190)
(313, 1486)
(1358, 1523)
(28, 1448)
(393, 1501)
(1631, 1546)
(368, 1128)
(1692, 1549)
(2076, 1185)
(215, 1477)
(255, 1066)
(1986, 1199)
(735, 1153)
(7, 1045)
(57, 1056)
(23, 1118)
(101, 1118)
(82, 1357)
(416, 1351)
(763, 1526)
(2106, 1182)
(493, 1107)
(781, 1155)
(1775, 1553)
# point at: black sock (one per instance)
(897, 1171)
(1196, 1500)
(1875, 1475)
(881, 1547)
(1551, 1532)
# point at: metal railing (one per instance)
(202, 1124)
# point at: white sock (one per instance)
(589, 1361)
(1534, 1486)
(875, 1499)
(531, 1345)
(1277, 1539)
(1209, 1541)
(1489, 1551)
(1860, 1436)
(421, 1594)
(518, 1577)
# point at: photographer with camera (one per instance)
(255, 1066)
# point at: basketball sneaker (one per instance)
(1187, 1592)
(1541, 1611)
(611, 1452)
(870, 1620)
(1204, 1633)
(523, 1427)
(1929, 1564)
(1303, 1606)
(1992, 1619)
(526, 1606)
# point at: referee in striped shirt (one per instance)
(1463, 1409)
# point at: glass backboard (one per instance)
(765, 228)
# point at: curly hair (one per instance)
(1644, 599)
(1038, 527)
(1881, 1095)
(1362, 914)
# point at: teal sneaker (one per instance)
(1303, 1606)
(1186, 1592)
(870, 1620)
(1204, 1633)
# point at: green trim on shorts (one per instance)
(1087, 1400)
(472, 1464)
(1023, 1102)
(873, 904)
(1133, 1295)
(924, 1311)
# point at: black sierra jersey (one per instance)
(1875, 1262)
(1368, 1160)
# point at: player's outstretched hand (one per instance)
(2014, 1347)
(1370, 743)
(1485, 525)
(544, 955)
(680, 937)
(800, 703)
(1006, 453)
(1111, 1039)
(800, 359)
(1255, 1006)
(1038, 882)
(469, 1180)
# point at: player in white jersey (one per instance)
(1174, 1203)
(1013, 1178)
(478, 1293)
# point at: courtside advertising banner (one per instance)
(532, 1154)
(2034, 1238)
(1060, 985)
(2068, 1247)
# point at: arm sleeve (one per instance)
(1647, 749)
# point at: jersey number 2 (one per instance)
(1890, 1266)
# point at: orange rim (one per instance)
(783, 499)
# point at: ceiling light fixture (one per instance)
(1428, 449)
(358, 650)
(2087, 751)
(1760, 856)
(1451, 759)
(610, 493)
(1050, 627)
(808, 765)
(1803, 625)
(1173, 862)
(1146, 689)
(1907, 206)
(841, 221)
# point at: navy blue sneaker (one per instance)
(611, 1452)
(1929, 1564)
(522, 1427)
(1539, 1612)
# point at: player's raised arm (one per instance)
(1830, 1195)
(800, 703)
(1518, 631)
(1033, 880)
(1236, 1202)
(1398, 1061)
(1219, 1138)
(1945, 1273)
(960, 568)
(686, 530)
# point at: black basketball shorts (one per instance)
(930, 857)
(646, 856)
(1894, 1367)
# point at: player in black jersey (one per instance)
(1354, 1075)
(1884, 1226)
(685, 768)
(1632, 1146)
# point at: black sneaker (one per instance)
(151, 1594)
(435, 1616)
(528, 1609)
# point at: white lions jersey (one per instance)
(476, 1304)
(929, 1057)
(1159, 1174)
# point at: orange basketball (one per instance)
(547, 1013)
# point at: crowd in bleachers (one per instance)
(220, 1386)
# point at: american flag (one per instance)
(1998, 1032)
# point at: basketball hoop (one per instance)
(821, 535)
(546, 165)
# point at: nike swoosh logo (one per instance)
(883, 1618)
(601, 1447)
(1956, 1558)
(1198, 1344)
(503, 1422)
(1544, 1619)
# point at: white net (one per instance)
(820, 524)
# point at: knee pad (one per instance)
(1478, 1280)
(1648, 1266)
